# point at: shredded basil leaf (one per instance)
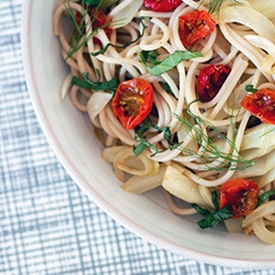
(168, 63)
(79, 36)
(151, 56)
(212, 218)
(139, 149)
(143, 128)
(250, 88)
(200, 210)
(215, 200)
(143, 143)
(125, 45)
(86, 83)
(265, 196)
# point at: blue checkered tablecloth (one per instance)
(47, 225)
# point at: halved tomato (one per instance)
(194, 26)
(133, 102)
(240, 196)
(261, 104)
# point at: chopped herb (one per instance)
(86, 83)
(151, 56)
(143, 128)
(203, 212)
(140, 148)
(250, 88)
(168, 63)
(212, 218)
(265, 196)
(143, 143)
(79, 35)
(211, 152)
(125, 45)
(215, 200)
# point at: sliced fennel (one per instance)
(124, 12)
(182, 187)
(268, 63)
(250, 18)
(96, 104)
(261, 136)
(258, 141)
(141, 184)
(265, 7)
(262, 166)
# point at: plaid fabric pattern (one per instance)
(47, 225)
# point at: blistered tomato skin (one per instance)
(210, 80)
(133, 102)
(162, 5)
(240, 196)
(261, 104)
(194, 26)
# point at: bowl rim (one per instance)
(100, 201)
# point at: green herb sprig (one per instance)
(265, 196)
(86, 83)
(250, 88)
(105, 48)
(143, 143)
(79, 36)
(212, 218)
(211, 151)
(168, 63)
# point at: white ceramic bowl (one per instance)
(70, 135)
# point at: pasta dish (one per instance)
(182, 95)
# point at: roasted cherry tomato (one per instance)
(210, 80)
(194, 26)
(240, 196)
(161, 5)
(133, 102)
(261, 104)
(99, 19)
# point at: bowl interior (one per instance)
(70, 134)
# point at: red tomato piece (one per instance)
(210, 80)
(240, 196)
(162, 5)
(194, 26)
(261, 104)
(132, 102)
(99, 19)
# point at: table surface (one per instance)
(47, 224)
